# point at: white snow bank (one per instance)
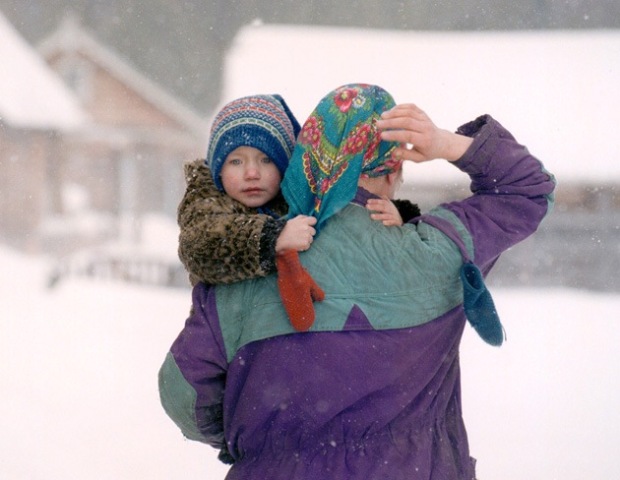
(79, 380)
(557, 92)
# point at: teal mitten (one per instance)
(479, 307)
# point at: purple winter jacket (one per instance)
(373, 390)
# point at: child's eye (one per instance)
(266, 160)
(234, 161)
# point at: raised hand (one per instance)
(421, 140)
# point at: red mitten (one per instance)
(297, 290)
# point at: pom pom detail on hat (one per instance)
(261, 121)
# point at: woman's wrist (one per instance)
(456, 146)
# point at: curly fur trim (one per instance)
(222, 240)
(268, 239)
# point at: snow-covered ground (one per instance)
(78, 376)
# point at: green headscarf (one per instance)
(337, 144)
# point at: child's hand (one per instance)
(384, 211)
(297, 234)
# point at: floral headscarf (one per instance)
(338, 143)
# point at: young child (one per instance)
(231, 218)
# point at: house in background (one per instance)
(37, 113)
(110, 152)
(128, 159)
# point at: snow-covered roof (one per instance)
(557, 92)
(72, 36)
(31, 94)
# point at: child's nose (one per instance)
(252, 171)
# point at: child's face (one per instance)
(250, 177)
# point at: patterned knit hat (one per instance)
(261, 121)
(338, 143)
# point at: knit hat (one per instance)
(337, 144)
(261, 121)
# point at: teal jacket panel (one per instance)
(398, 276)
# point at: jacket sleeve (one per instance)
(512, 191)
(221, 240)
(193, 375)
